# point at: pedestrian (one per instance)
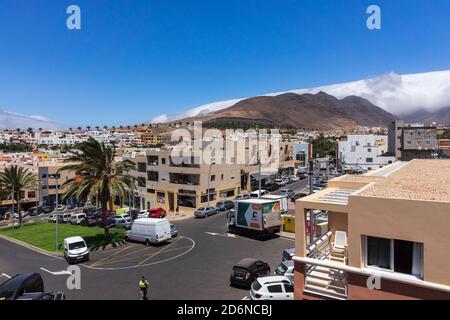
(177, 210)
(143, 286)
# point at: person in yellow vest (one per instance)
(143, 286)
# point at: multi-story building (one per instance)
(363, 152)
(303, 152)
(163, 182)
(387, 235)
(148, 137)
(444, 147)
(411, 141)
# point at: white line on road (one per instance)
(57, 273)
(5, 275)
(228, 235)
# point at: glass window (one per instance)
(379, 252)
(288, 288)
(275, 288)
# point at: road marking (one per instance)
(57, 273)
(5, 275)
(112, 255)
(126, 259)
(246, 298)
(159, 251)
(228, 235)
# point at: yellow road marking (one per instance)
(158, 252)
(126, 259)
(112, 255)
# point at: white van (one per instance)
(149, 230)
(75, 249)
(76, 218)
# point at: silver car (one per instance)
(204, 212)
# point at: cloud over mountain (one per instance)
(398, 94)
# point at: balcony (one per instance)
(320, 278)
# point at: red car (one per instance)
(157, 213)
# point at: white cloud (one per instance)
(13, 120)
(398, 94)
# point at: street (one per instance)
(195, 265)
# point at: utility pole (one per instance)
(311, 213)
(56, 208)
(12, 207)
(209, 178)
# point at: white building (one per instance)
(363, 152)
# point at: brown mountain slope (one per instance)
(319, 111)
(441, 116)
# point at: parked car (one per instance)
(35, 211)
(288, 254)
(225, 205)
(75, 249)
(149, 230)
(143, 214)
(109, 223)
(50, 218)
(287, 193)
(242, 196)
(123, 221)
(157, 213)
(285, 268)
(27, 286)
(248, 270)
(173, 230)
(134, 214)
(272, 288)
(204, 212)
(48, 209)
(61, 207)
(280, 182)
(255, 194)
(77, 218)
(292, 179)
(298, 195)
(71, 206)
(271, 186)
(65, 217)
(90, 220)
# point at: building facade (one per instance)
(387, 235)
(363, 152)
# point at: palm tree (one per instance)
(98, 175)
(14, 180)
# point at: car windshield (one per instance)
(281, 268)
(201, 209)
(256, 285)
(77, 245)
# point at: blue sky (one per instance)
(134, 60)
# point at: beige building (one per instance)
(388, 235)
(163, 183)
(148, 137)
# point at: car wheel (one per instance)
(126, 239)
(147, 242)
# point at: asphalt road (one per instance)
(196, 265)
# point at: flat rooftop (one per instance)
(416, 180)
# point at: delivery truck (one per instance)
(283, 200)
(255, 217)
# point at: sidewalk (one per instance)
(287, 235)
(181, 215)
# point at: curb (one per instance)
(31, 247)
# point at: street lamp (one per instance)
(56, 176)
(209, 178)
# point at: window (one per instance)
(275, 288)
(395, 255)
(369, 150)
(152, 175)
(288, 288)
(369, 160)
(163, 160)
(142, 166)
(221, 176)
(150, 190)
(213, 177)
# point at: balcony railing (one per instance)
(325, 281)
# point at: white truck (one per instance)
(149, 230)
(255, 217)
(282, 199)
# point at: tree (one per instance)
(97, 174)
(14, 180)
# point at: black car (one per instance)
(271, 186)
(248, 270)
(35, 211)
(110, 223)
(288, 254)
(298, 195)
(21, 284)
(90, 220)
(225, 205)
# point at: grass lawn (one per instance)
(42, 235)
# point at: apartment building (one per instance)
(148, 137)
(363, 152)
(45, 188)
(388, 235)
(411, 141)
(164, 181)
(444, 147)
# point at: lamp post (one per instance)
(209, 178)
(311, 213)
(12, 207)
